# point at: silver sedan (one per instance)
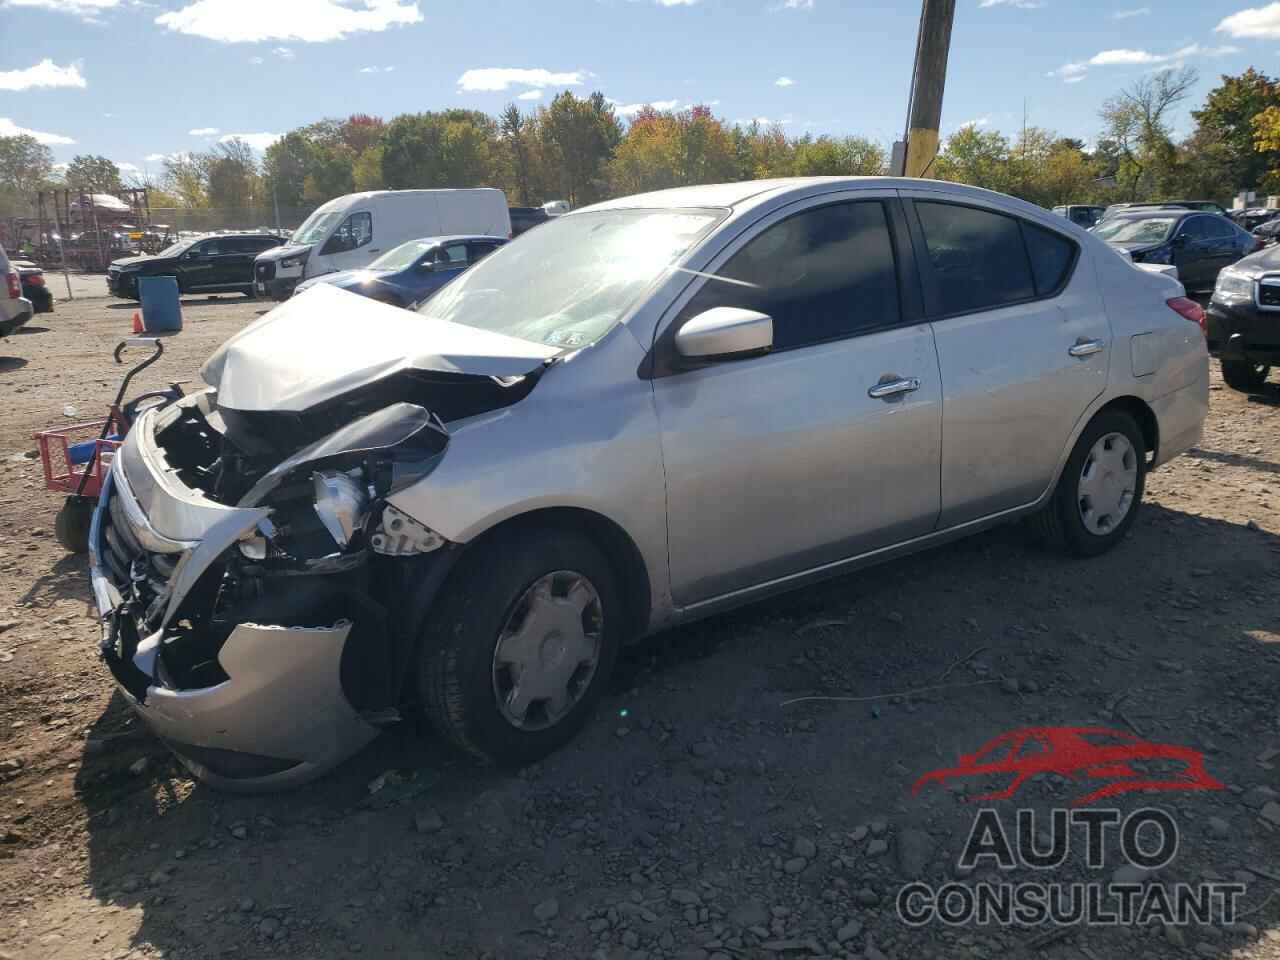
(641, 413)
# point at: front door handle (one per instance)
(1086, 348)
(376, 250)
(892, 388)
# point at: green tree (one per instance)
(1137, 121)
(581, 137)
(1224, 137)
(286, 164)
(93, 174)
(844, 157)
(431, 150)
(366, 172)
(25, 164)
(976, 157)
(231, 175)
(187, 176)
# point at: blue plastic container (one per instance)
(161, 309)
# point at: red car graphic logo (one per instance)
(1079, 753)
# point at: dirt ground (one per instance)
(698, 816)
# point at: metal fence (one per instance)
(230, 218)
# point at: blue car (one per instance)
(411, 272)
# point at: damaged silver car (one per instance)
(641, 413)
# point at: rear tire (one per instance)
(71, 525)
(1100, 490)
(1244, 376)
(519, 593)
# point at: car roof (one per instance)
(456, 238)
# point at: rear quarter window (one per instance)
(1051, 256)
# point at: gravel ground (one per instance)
(698, 816)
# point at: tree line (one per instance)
(579, 149)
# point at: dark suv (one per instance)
(1243, 320)
(219, 263)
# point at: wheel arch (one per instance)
(1143, 415)
(617, 544)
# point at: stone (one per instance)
(427, 821)
(804, 847)
(1218, 828)
(1131, 874)
(1270, 812)
(1173, 936)
(877, 847)
(686, 898)
(139, 766)
(547, 910)
(749, 914)
(878, 828)
(268, 926)
(1257, 797)
(795, 865)
(1009, 685)
(915, 850)
(849, 931)
(866, 897)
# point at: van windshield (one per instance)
(570, 281)
(316, 227)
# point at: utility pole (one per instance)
(929, 77)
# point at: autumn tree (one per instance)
(1225, 133)
(93, 174)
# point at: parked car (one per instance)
(1244, 320)
(412, 271)
(526, 218)
(1198, 244)
(349, 233)
(1203, 206)
(641, 413)
(1080, 214)
(556, 208)
(34, 287)
(221, 263)
(1253, 217)
(1267, 233)
(15, 309)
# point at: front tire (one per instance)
(1244, 376)
(519, 648)
(1100, 490)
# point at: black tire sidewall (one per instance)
(1078, 538)
(1241, 375)
(462, 634)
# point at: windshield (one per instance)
(568, 282)
(316, 227)
(1148, 230)
(174, 249)
(397, 258)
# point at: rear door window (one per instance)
(978, 257)
(1051, 258)
(823, 274)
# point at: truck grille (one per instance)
(265, 271)
(1269, 294)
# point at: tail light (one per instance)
(14, 284)
(36, 279)
(1189, 310)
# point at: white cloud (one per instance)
(284, 53)
(1127, 14)
(306, 21)
(1020, 4)
(259, 141)
(44, 74)
(530, 95)
(1255, 23)
(795, 5)
(128, 167)
(204, 132)
(677, 3)
(88, 9)
(977, 122)
(1123, 57)
(376, 69)
(764, 121)
(501, 78)
(156, 157)
(256, 61)
(10, 129)
(784, 82)
(631, 109)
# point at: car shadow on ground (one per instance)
(9, 364)
(30, 329)
(695, 774)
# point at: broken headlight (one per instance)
(341, 503)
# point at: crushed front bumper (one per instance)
(272, 713)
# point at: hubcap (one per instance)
(1108, 480)
(548, 650)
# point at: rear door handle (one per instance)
(892, 388)
(376, 250)
(1086, 348)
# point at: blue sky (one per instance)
(134, 80)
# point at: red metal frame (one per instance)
(60, 474)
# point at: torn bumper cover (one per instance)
(258, 706)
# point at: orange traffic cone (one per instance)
(137, 322)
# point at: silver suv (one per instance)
(15, 309)
(639, 414)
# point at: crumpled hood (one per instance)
(325, 342)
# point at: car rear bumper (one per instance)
(14, 315)
(271, 712)
(1181, 415)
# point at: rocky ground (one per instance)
(700, 815)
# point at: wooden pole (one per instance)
(924, 115)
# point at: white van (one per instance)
(351, 232)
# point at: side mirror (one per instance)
(723, 333)
(1180, 240)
